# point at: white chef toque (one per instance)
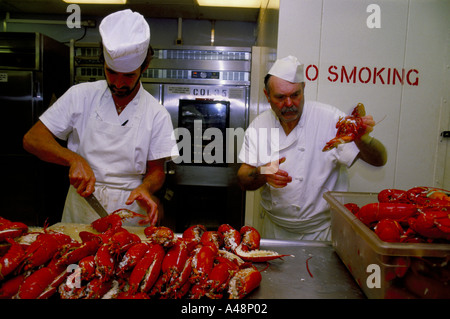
(125, 37)
(289, 69)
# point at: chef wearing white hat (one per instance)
(282, 154)
(118, 135)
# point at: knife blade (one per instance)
(95, 204)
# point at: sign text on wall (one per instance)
(365, 75)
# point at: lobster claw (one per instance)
(432, 223)
(359, 110)
(257, 255)
(248, 249)
(231, 237)
(243, 282)
(349, 128)
(114, 220)
(389, 230)
(12, 229)
(11, 259)
(147, 270)
(160, 235)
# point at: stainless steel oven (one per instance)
(206, 91)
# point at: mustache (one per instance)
(122, 91)
(289, 109)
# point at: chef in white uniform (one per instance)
(282, 153)
(118, 135)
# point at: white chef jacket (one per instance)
(147, 133)
(299, 208)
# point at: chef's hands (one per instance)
(371, 150)
(369, 123)
(81, 176)
(148, 202)
(276, 177)
(253, 177)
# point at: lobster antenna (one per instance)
(378, 122)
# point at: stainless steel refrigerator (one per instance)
(34, 72)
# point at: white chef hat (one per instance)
(125, 36)
(289, 69)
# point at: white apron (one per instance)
(285, 200)
(110, 151)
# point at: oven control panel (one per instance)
(205, 75)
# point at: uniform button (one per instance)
(301, 149)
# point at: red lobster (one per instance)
(243, 282)
(428, 196)
(44, 282)
(416, 215)
(11, 259)
(389, 230)
(147, 270)
(375, 212)
(202, 265)
(231, 237)
(432, 223)
(220, 276)
(113, 221)
(43, 249)
(193, 235)
(107, 254)
(87, 268)
(131, 258)
(392, 195)
(10, 287)
(212, 238)
(349, 128)
(9, 229)
(160, 235)
(249, 250)
(175, 271)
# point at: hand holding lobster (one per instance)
(354, 127)
(148, 202)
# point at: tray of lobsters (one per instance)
(107, 260)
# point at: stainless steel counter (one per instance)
(288, 278)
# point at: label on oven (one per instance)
(179, 90)
(208, 92)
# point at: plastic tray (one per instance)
(382, 269)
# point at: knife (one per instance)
(95, 204)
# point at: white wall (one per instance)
(414, 36)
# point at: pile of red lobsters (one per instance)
(417, 215)
(112, 262)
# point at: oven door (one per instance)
(210, 122)
(202, 132)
